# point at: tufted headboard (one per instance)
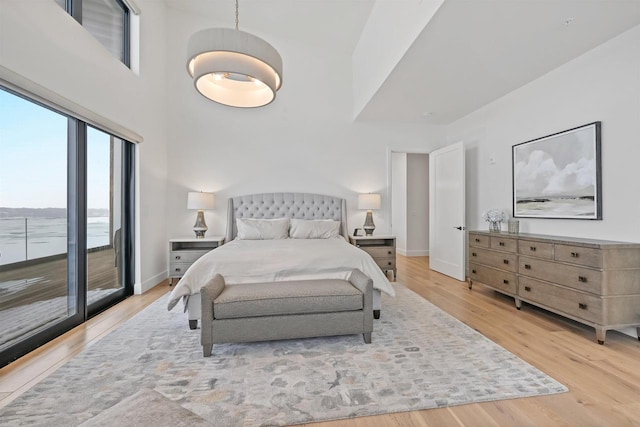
(286, 205)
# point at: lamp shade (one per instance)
(199, 200)
(369, 201)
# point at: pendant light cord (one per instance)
(236, 14)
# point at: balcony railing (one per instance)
(24, 239)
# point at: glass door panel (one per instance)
(35, 290)
(104, 216)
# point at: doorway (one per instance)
(409, 211)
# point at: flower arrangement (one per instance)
(494, 217)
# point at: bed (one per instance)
(252, 261)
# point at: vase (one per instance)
(494, 226)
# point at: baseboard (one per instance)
(141, 288)
(401, 251)
(417, 253)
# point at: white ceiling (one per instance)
(470, 53)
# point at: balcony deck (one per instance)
(34, 294)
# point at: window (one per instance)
(66, 223)
(106, 20)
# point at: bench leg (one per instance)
(367, 337)
(193, 324)
(206, 350)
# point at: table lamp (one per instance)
(200, 201)
(369, 202)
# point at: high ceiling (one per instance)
(470, 53)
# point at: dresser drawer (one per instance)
(501, 260)
(583, 279)
(501, 280)
(185, 256)
(478, 240)
(177, 269)
(578, 255)
(386, 263)
(563, 300)
(503, 244)
(380, 251)
(536, 249)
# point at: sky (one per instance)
(33, 157)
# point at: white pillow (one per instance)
(314, 229)
(262, 229)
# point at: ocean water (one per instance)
(42, 237)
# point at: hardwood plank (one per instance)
(603, 381)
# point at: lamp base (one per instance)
(200, 227)
(369, 226)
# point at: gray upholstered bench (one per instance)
(284, 310)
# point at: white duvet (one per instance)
(252, 261)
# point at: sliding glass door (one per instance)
(66, 216)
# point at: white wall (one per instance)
(41, 42)
(601, 85)
(305, 141)
(399, 200)
(417, 204)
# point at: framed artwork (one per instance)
(559, 175)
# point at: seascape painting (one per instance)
(559, 176)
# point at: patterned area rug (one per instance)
(420, 358)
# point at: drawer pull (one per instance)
(532, 248)
(501, 243)
(527, 288)
(177, 257)
(505, 281)
(177, 269)
(474, 254)
(505, 261)
(473, 271)
(389, 252)
(477, 240)
(582, 279)
(389, 263)
(582, 306)
(527, 266)
(575, 254)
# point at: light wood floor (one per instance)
(604, 381)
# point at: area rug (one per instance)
(420, 358)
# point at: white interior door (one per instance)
(447, 211)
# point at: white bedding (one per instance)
(253, 261)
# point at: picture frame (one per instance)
(559, 175)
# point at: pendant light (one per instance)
(233, 67)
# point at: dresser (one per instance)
(595, 282)
(185, 251)
(382, 249)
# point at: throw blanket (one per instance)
(254, 261)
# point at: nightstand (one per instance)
(382, 249)
(185, 251)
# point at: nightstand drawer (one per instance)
(186, 256)
(380, 251)
(177, 269)
(386, 263)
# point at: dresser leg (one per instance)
(470, 283)
(600, 334)
(638, 332)
(518, 303)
